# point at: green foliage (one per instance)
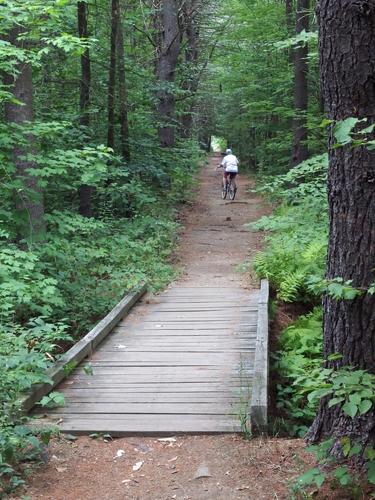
(297, 364)
(23, 363)
(295, 249)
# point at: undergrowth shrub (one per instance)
(295, 249)
(23, 363)
(297, 364)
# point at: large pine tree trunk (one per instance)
(301, 91)
(347, 63)
(115, 8)
(168, 51)
(29, 197)
(85, 191)
(123, 94)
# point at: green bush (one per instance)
(295, 249)
(23, 363)
(297, 364)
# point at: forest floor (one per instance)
(213, 245)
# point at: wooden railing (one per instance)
(259, 400)
(83, 348)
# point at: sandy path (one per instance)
(213, 243)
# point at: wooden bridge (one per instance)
(194, 360)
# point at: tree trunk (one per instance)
(301, 92)
(29, 197)
(289, 11)
(85, 191)
(168, 52)
(112, 74)
(289, 15)
(191, 60)
(347, 63)
(123, 94)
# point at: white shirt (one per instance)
(230, 163)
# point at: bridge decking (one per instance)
(181, 364)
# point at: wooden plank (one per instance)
(88, 396)
(83, 348)
(142, 425)
(186, 357)
(148, 408)
(230, 386)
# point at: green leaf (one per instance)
(335, 401)
(342, 474)
(70, 437)
(346, 446)
(88, 370)
(312, 476)
(371, 471)
(370, 453)
(343, 129)
(350, 409)
(365, 406)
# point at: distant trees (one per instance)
(301, 92)
(85, 191)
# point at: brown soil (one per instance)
(214, 241)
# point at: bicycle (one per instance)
(230, 188)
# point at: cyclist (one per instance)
(230, 165)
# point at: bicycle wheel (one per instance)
(232, 190)
(224, 191)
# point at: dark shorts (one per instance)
(232, 175)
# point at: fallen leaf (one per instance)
(137, 466)
(167, 440)
(61, 469)
(202, 472)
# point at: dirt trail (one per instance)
(227, 467)
(215, 239)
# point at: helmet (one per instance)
(228, 152)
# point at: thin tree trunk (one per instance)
(29, 197)
(301, 91)
(347, 63)
(289, 15)
(168, 52)
(85, 191)
(289, 11)
(123, 94)
(115, 6)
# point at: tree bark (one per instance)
(123, 94)
(289, 14)
(29, 197)
(301, 91)
(347, 64)
(168, 50)
(115, 6)
(191, 59)
(85, 191)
